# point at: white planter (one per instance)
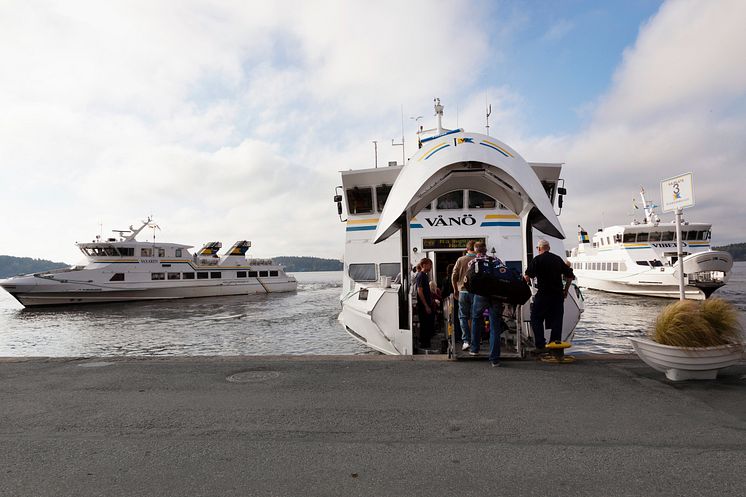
(681, 363)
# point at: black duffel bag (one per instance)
(489, 278)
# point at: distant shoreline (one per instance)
(13, 266)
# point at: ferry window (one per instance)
(146, 252)
(382, 194)
(700, 235)
(161, 252)
(629, 238)
(188, 276)
(117, 277)
(615, 267)
(617, 238)
(478, 200)
(642, 263)
(127, 251)
(274, 273)
(608, 241)
(177, 253)
(451, 200)
(110, 252)
(240, 274)
(642, 237)
(174, 276)
(692, 235)
(362, 272)
(601, 240)
(253, 274)
(157, 276)
(263, 274)
(667, 236)
(622, 266)
(215, 274)
(390, 269)
(655, 236)
(656, 263)
(708, 234)
(202, 275)
(360, 200)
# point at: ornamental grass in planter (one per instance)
(694, 324)
(693, 340)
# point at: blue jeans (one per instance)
(495, 312)
(465, 302)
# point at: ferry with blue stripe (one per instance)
(124, 269)
(641, 258)
(455, 187)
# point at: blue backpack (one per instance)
(491, 278)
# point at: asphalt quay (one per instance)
(368, 426)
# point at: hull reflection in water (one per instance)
(287, 323)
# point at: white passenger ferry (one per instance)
(457, 187)
(124, 269)
(641, 259)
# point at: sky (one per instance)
(231, 120)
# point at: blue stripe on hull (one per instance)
(501, 223)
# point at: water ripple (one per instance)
(296, 323)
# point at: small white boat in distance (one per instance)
(641, 259)
(124, 269)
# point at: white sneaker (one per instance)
(465, 346)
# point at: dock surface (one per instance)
(366, 426)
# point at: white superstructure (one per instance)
(641, 259)
(457, 187)
(124, 269)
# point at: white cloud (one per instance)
(229, 122)
(224, 120)
(678, 104)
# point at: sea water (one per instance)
(304, 322)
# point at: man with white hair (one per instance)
(549, 301)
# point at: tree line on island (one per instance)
(12, 266)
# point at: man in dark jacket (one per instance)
(549, 301)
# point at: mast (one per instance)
(650, 216)
(439, 114)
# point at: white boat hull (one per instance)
(374, 321)
(635, 288)
(61, 294)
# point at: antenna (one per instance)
(488, 113)
(375, 148)
(419, 128)
(403, 155)
(439, 113)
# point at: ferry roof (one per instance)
(131, 243)
(449, 162)
(642, 227)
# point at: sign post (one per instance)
(676, 194)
